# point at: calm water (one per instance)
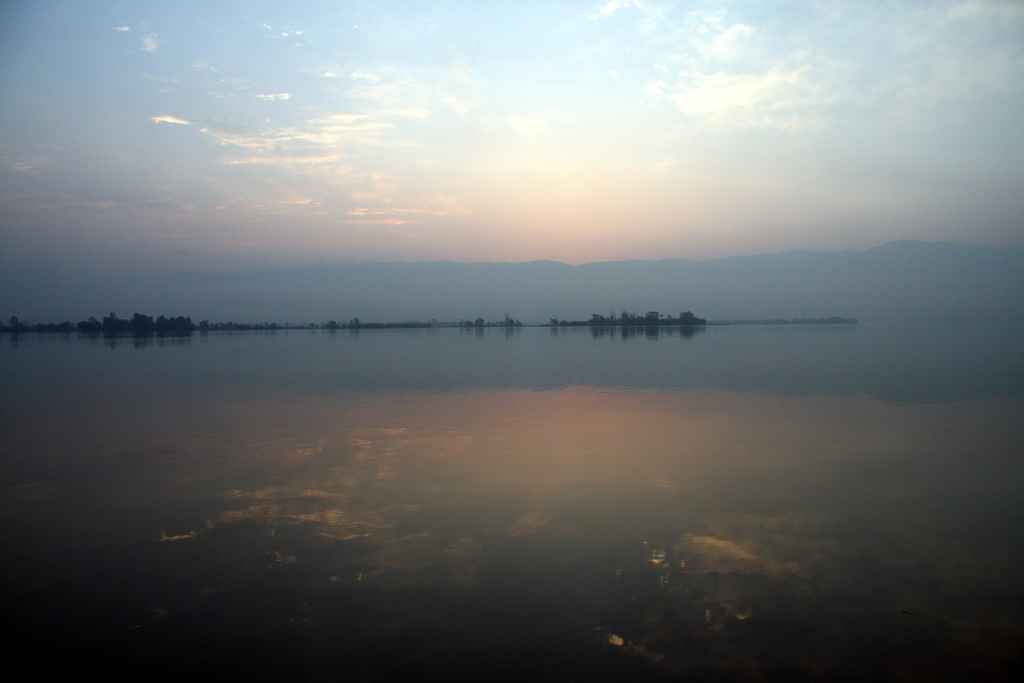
(740, 503)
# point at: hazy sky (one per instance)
(170, 135)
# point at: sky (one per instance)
(162, 136)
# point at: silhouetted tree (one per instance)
(142, 323)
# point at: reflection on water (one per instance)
(586, 530)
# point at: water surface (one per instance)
(734, 503)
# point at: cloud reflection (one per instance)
(699, 516)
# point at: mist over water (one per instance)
(896, 282)
(739, 502)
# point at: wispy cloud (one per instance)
(609, 9)
(977, 9)
(461, 88)
(170, 119)
(398, 93)
(339, 129)
(150, 43)
(727, 43)
(376, 221)
(288, 160)
(528, 127)
(437, 205)
(256, 140)
(275, 96)
(32, 165)
(161, 79)
(302, 201)
(775, 98)
(282, 32)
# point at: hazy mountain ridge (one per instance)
(904, 280)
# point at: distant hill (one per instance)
(911, 281)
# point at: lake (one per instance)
(729, 503)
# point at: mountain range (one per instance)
(898, 281)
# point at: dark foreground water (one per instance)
(738, 503)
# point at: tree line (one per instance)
(141, 324)
(626, 319)
(110, 324)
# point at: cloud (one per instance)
(335, 153)
(397, 93)
(737, 73)
(170, 119)
(302, 201)
(338, 129)
(285, 160)
(776, 98)
(256, 140)
(445, 205)
(122, 28)
(161, 79)
(150, 43)
(284, 32)
(340, 154)
(721, 93)
(609, 9)
(974, 9)
(259, 140)
(461, 88)
(727, 44)
(526, 127)
(330, 132)
(26, 165)
(437, 205)
(376, 221)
